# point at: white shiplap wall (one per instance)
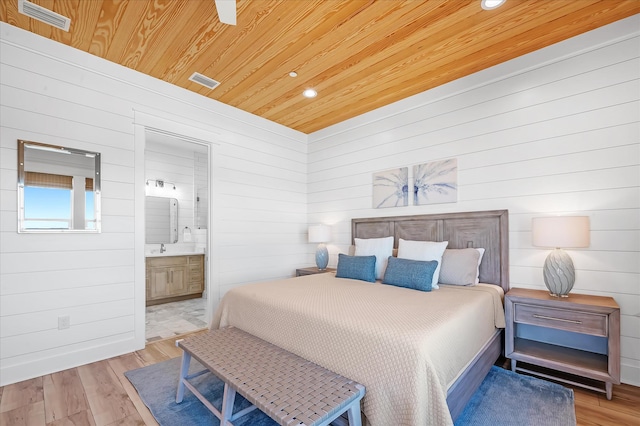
(555, 132)
(55, 94)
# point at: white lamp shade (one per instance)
(319, 233)
(560, 231)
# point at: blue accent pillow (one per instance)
(414, 274)
(357, 267)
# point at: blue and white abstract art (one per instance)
(435, 182)
(391, 188)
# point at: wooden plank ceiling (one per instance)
(358, 54)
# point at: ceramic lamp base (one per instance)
(322, 257)
(559, 273)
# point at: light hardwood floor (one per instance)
(99, 394)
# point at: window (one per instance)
(47, 208)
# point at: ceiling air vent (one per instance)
(47, 16)
(210, 83)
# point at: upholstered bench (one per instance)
(288, 388)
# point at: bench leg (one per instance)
(228, 398)
(184, 369)
(355, 419)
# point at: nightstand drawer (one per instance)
(570, 320)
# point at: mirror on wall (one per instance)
(58, 188)
(161, 222)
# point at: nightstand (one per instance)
(312, 270)
(578, 335)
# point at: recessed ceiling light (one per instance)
(293, 74)
(491, 4)
(310, 93)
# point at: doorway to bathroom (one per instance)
(177, 219)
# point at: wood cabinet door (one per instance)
(158, 282)
(177, 281)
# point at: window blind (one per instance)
(48, 180)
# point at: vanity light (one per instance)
(491, 4)
(158, 183)
(310, 93)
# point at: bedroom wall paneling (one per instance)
(55, 94)
(555, 132)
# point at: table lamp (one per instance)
(320, 234)
(560, 232)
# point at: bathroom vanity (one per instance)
(170, 278)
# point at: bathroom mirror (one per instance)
(161, 220)
(58, 188)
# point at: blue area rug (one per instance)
(503, 399)
(506, 398)
(156, 384)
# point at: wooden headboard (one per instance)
(484, 229)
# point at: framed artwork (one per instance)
(391, 188)
(435, 182)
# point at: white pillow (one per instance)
(423, 250)
(459, 266)
(381, 248)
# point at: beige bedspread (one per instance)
(407, 347)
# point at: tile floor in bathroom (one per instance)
(170, 319)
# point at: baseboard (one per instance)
(63, 361)
(630, 374)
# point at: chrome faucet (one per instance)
(162, 249)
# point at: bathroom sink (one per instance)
(156, 253)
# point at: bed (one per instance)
(421, 355)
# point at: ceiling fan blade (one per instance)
(226, 11)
